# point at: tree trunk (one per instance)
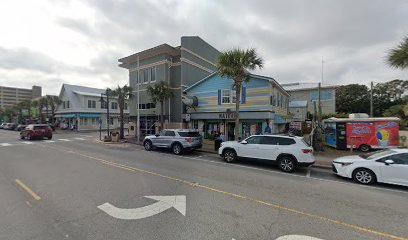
(122, 136)
(237, 100)
(161, 115)
(39, 114)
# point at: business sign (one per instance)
(375, 134)
(188, 117)
(227, 115)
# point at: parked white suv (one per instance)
(287, 152)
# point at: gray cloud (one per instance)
(292, 36)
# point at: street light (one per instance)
(107, 109)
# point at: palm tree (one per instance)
(159, 93)
(20, 106)
(398, 57)
(122, 93)
(235, 64)
(27, 105)
(53, 102)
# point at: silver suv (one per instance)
(177, 140)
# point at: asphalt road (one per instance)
(52, 190)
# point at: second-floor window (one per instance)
(146, 75)
(67, 104)
(126, 106)
(226, 96)
(147, 105)
(114, 105)
(91, 104)
(63, 104)
(103, 105)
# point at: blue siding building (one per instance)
(263, 108)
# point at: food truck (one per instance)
(361, 133)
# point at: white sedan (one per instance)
(387, 166)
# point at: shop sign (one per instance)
(227, 115)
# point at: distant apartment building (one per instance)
(10, 96)
(180, 66)
(303, 96)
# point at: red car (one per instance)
(36, 131)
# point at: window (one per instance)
(226, 96)
(397, 158)
(103, 105)
(91, 104)
(141, 76)
(67, 104)
(254, 140)
(114, 105)
(270, 140)
(278, 97)
(286, 141)
(146, 75)
(153, 74)
(273, 100)
(93, 121)
(169, 134)
(63, 105)
(147, 105)
(126, 106)
(189, 134)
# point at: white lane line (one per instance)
(5, 144)
(308, 173)
(64, 140)
(81, 139)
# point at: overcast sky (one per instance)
(48, 43)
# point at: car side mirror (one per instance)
(244, 142)
(389, 162)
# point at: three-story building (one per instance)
(180, 67)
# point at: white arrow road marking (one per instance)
(297, 237)
(164, 203)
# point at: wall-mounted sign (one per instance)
(188, 117)
(227, 115)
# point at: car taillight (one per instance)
(307, 150)
(187, 139)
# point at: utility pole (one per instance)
(322, 69)
(319, 106)
(371, 101)
(138, 99)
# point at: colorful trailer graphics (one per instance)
(343, 133)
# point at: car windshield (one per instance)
(377, 154)
(189, 134)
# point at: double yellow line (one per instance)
(276, 206)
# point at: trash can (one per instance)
(217, 143)
(115, 136)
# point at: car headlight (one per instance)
(343, 164)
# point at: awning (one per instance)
(65, 115)
(90, 115)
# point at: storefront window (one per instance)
(251, 128)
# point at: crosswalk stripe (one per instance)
(81, 139)
(5, 144)
(49, 141)
(64, 140)
(27, 143)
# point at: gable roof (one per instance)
(269, 79)
(82, 90)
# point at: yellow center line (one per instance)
(27, 189)
(276, 206)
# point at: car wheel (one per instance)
(229, 156)
(365, 148)
(147, 145)
(364, 176)
(177, 149)
(287, 164)
(21, 137)
(49, 138)
(28, 137)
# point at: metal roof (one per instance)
(304, 86)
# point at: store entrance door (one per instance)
(230, 131)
